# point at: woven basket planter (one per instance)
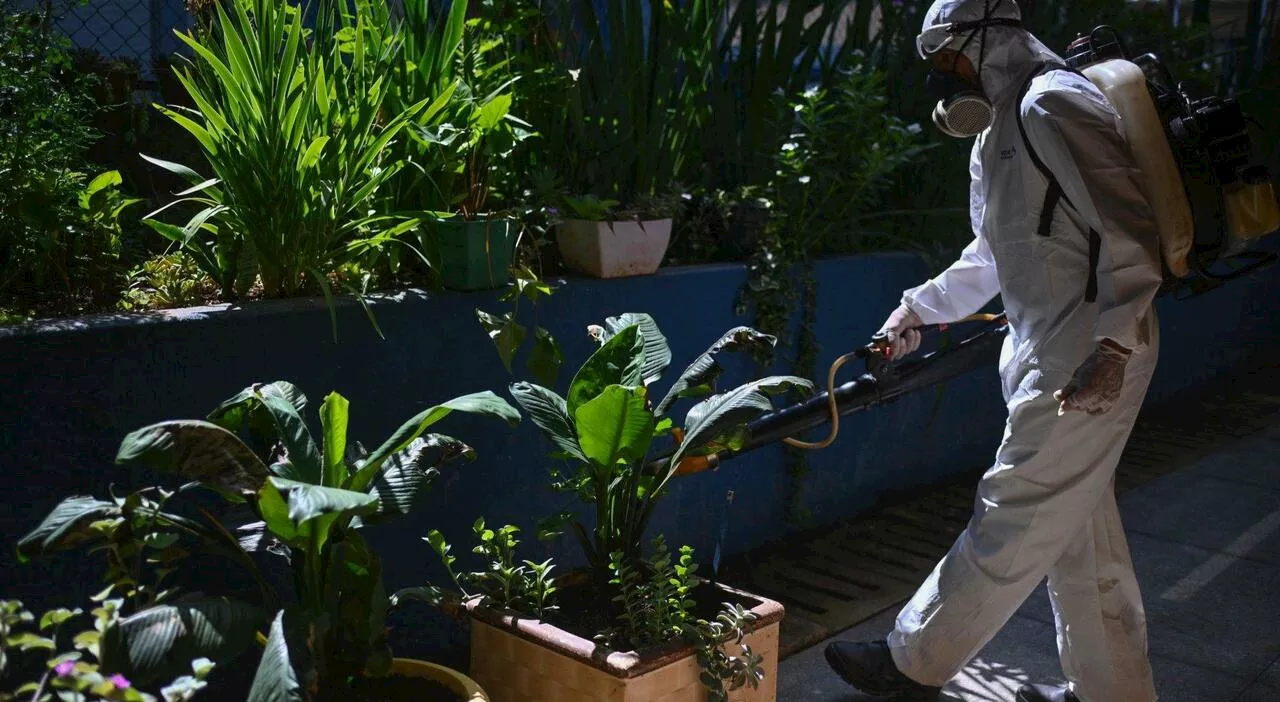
(525, 660)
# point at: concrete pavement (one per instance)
(1206, 545)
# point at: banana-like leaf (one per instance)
(197, 450)
(284, 664)
(333, 417)
(551, 413)
(657, 354)
(159, 643)
(293, 433)
(301, 514)
(409, 472)
(483, 403)
(615, 426)
(705, 369)
(66, 526)
(619, 361)
(723, 418)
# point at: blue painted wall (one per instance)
(72, 389)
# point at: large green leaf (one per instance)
(699, 377)
(284, 664)
(657, 354)
(619, 361)
(551, 413)
(233, 413)
(410, 472)
(293, 433)
(720, 421)
(159, 643)
(197, 450)
(483, 403)
(301, 514)
(66, 526)
(333, 417)
(615, 426)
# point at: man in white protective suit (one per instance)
(1063, 233)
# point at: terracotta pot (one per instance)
(613, 249)
(526, 660)
(459, 684)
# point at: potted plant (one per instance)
(603, 240)
(308, 501)
(475, 243)
(625, 122)
(630, 626)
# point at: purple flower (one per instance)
(64, 668)
(119, 681)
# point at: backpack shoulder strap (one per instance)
(1054, 193)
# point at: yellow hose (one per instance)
(697, 464)
(831, 392)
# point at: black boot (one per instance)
(869, 667)
(1045, 693)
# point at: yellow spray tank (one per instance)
(1208, 201)
(1125, 86)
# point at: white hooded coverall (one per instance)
(1047, 506)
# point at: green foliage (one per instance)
(61, 239)
(167, 281)
(147, 631)
(508, 335)
(524, 587)
(295, 126)
(74, 668)
(613, 105)
(608, 423)
(308, 501)
(655, 596)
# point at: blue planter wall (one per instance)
(73, 389)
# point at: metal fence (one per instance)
(139, 31)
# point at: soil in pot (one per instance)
(401, 688)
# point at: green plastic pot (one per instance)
(475, 253)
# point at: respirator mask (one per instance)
(963, 109)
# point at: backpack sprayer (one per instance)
(1211, 205)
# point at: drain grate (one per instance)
(832, 579)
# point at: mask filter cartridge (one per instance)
(962, 110)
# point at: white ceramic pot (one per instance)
(614, 249)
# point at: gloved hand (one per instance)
(1096, 385)
(900, 329)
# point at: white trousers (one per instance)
(1046, 508)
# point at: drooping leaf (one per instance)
(284, 663)
(657, 354)
(482, 403)
(615, 426)
(232, 413)
(333, 417)
(66, 526)
(551, 413)
(197, 450)
(619, 361)
(159, 643)
(705, 368)
(293, 433)
(300, 514)
(505, 333)
(727, 414)
(408, 473)
(546, 359)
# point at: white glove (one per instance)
(1097, 383)
(901, 333)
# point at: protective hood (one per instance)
(1008, 53)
